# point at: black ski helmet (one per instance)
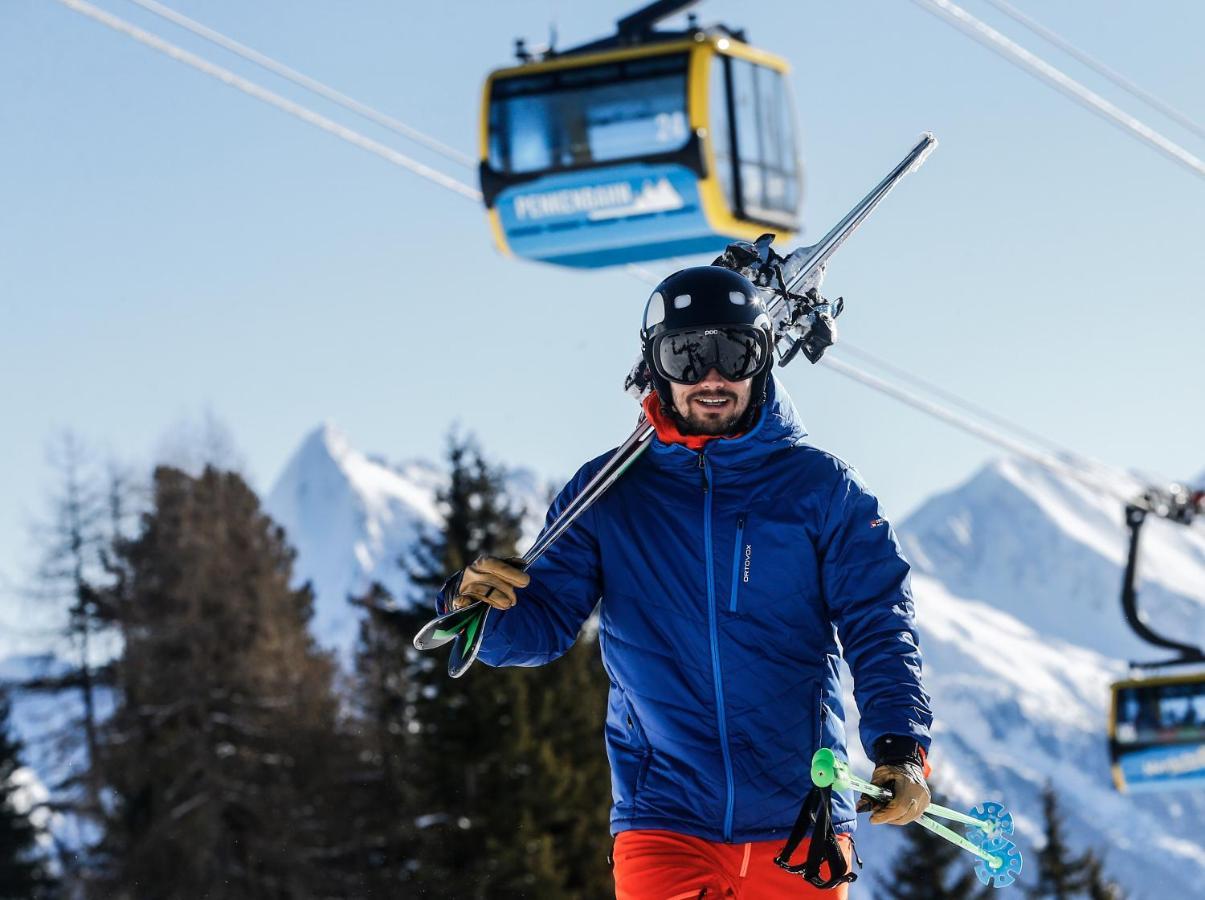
(705, 297)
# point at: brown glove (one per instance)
(492, 581)
(900, 769)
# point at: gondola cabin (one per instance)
(1157, 733)
(670, 147)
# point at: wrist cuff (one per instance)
(894, 750)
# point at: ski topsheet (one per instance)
(803, 321)
(465, 627)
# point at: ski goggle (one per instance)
(736, 352)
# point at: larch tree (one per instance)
(88, 508)
(219, 752)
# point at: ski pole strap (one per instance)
(816, 815)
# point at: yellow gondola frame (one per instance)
(702, 49)
(1116, 688)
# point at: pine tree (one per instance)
(931, 868)
(23, 872)
(1061, 874)
(219, 750)
(381, 807)
(507, 761)
(1101, 887)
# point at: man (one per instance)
(729, 559)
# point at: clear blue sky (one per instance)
(168, 245)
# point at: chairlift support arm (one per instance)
(1178, 506)
(636, 25)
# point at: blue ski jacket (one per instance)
(726, 578)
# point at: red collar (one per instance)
(667, 429)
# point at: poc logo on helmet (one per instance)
(711, 331)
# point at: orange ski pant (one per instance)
(664, 865)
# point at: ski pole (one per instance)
(1000, 860)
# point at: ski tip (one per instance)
(462, 657)
(467, 643)
(426, 639)
(928, 143)
(435, 633)
(444, 628)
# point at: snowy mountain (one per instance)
(1051, 552)
(1017, 578)
(352, 518)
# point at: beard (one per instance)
(698, 420)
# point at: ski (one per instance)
(465, 627)
(803, 321)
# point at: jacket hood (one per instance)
(777, 426)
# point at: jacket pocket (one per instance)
(741, 559)
(629, 754)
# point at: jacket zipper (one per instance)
(712, 617)
(736, 561)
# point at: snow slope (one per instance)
(1015, 709)
(1051, 552)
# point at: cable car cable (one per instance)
(310, 84)
(937, 411)
(1077, 464)
(1097, 66)
(1012, 51)
(875, 382)
(271, 98)
(848, 349)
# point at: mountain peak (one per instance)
(354, 518)
(351, 520)
(326, 441)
